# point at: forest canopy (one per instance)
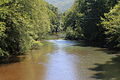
(22, 22)
(94, 21)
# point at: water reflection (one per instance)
(72, 62)
(27, 67)
(108, 71)
(64, 60)
(60, 64)
(10, 60)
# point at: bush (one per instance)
(36, 45)
(3, 53)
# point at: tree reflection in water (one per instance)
(108, 71)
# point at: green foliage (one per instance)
(72, 23)
(14, 18)
(54, 19)
(73, 34)
(36, 44)
(83, 20)
(3, 53)
(112, 25)
(24, 21)
(2, 29)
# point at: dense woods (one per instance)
(95, 21)
(111, 23)
(23, 23)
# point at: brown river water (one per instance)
(63, 60)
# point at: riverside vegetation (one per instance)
(95, 21)
(24, 22)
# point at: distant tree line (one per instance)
(94, 21)
(23, 22)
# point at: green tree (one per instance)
(112, 26)
(22, 22)
(16, 39)
(85, 15)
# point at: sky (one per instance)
(62, 5)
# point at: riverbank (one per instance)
(59, 35)
(38, 45)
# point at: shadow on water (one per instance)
(11, 60)
(110, 70)
(108, 51)
(63, 60)
(87, 44)
(81, 43)
(30, 55)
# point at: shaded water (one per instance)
(64, 60)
